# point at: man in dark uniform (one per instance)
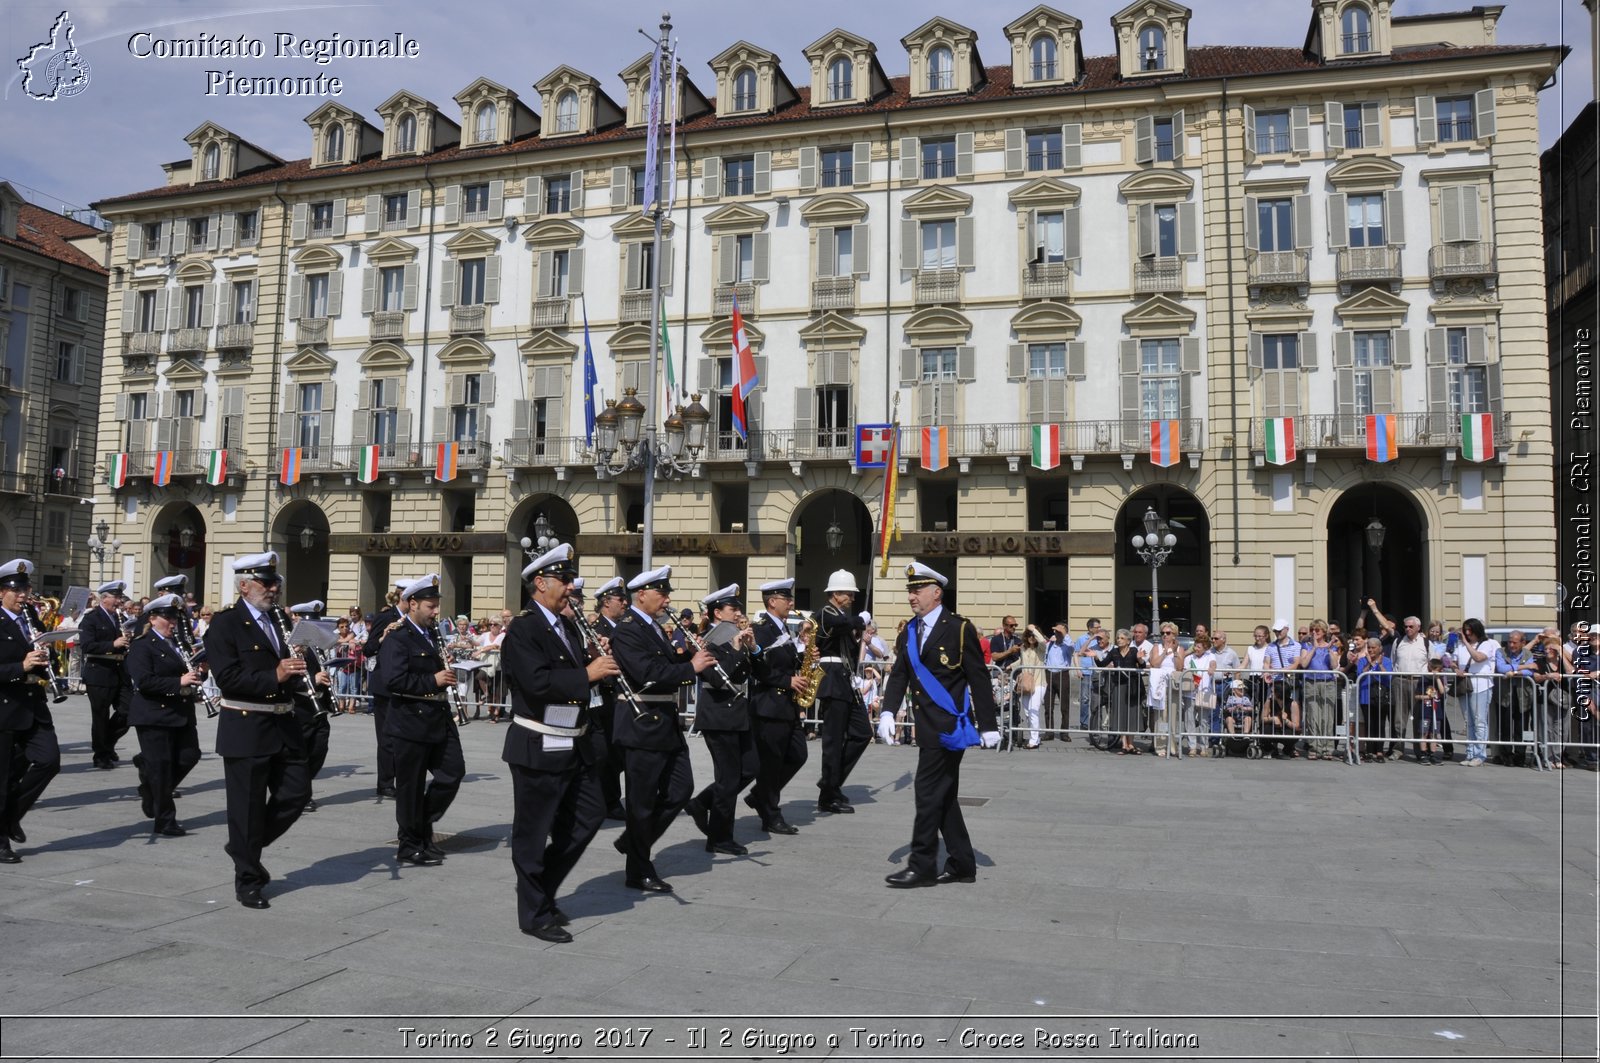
(378, 689)
(104, 645)
(262, 750)
(722, 716)
(29, 754)
(162, 712)
(938, 659)
(846, 732)
(552, 748)
(780, 739)
(612, 601)
(422, 733)
(313, 713)
(655, 756)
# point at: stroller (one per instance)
(1240, 721)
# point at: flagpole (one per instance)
(647, 551)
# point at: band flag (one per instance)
(444, 468)
(1046, 446)
(368, 469)
(117, 475)
(935, 447)
(289, 467)
(888, 530)
(1164, 436)
(1382, 444)
(590, 381)
(1280, 440)
(874, 442)
(161, 468)
(217, 467)
(1477, 436)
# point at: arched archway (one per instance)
(178, 547)
(1378, 549)
(546, 514)
(300, 535)
(1184, 580)
(831, 529)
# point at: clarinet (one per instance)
(185, 651)
(32, 628)
(452, 693)
(592, 640)
(699, 644)
(281, 619)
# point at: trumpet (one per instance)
(592, 639)
(32, 628)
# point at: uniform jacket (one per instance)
(719, 708)
(96, 634)
(542, 671)
(838, 635)
(22, 700)
(653, 666)
(376, 685)
(771, 697)
(419, 708)
(954, 656)
(244, 664)
(154, 669)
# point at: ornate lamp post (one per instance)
(1154, 547)
(101, 544)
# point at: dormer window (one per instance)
(1355, 30)
(483, 123)
(567, 112)
(841, 79)
(1042, 58)
(941, 69)
(405, 133)
(1152, 48)
(211, 163)
(744, 90)
(333, 144)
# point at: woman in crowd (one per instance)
(1122, 689)
(1373, 691)
(1199, 690)
(1475, 654)
(1552, 666)
(344, 679)
(1029, 674)
(358, 627)
(1166, 659)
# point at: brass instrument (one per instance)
(591, 638)
(810, 667)
(30, 620)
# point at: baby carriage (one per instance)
(1239, 718)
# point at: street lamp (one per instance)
(623, 444)
(308, 538)
(1375, 533)
(833, 535)
(1154, 547)
(101, 544)
(186, 537)
(544, 538)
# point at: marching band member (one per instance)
(552, 746)
(263, 752)
(846, 732)
(780, 739)
(939, 660)
(612, 601)
(29, 754)
(422, 735)
(655, 756)
(722, 716)
(314, 722)
(104, 645)
(161, 710)
(378, 690)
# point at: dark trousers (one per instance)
(108, 720)
(420, 802)
(1510, 714)
(780, 753)
(659, 784)
(555, 815)
(166, 756)
(380, 714)
(609, 770)
(1375, 720)
(265, 796)
(937, 786)
(734, 765)
(28, 761)
(845, 735)
(314, 730)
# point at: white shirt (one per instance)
(929, 618)
(1255, 658)
(1411, 655)
(1481, 671)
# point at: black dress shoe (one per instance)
(9, 857)
(947, 877)
(434, 851)
(418, 859)
(836, 808)
(619, 844)
(386, 791)
(778, 826)
(253, 899)
(728, 848)
(147, 801)
(311, 805)
(15, 833)
(648, 884)
(700, 814)
(115, 759)
(176, 793)
(173, 831)
(909, 879)
(549, 932)
(558, 917)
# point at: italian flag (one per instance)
(1046, 446)
(1477, 436)
(217, 467)
(118, 475)
(369, 464)
(1280, 440)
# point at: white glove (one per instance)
(866, 617)
(990, 739)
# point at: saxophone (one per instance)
(810, 668)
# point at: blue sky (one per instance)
(133, 115)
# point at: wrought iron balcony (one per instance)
(723, 296)
(1268, 268)
(311, 331)
(187, 341)
(388, 325)
(144, 343)
(1474, 258)
(936, 286)
(1433, 431)
(531, 452)
(1046, 280)
(186, 461)
(833, 293)
(1368, 265)
(468, 320)
(1155, 275)
(967, 441)
(553, 312)
(634, 307)
(236, 337)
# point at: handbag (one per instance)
(1560, 698)
(1205, 697)
(1027, 682)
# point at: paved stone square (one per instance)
(1276, 909)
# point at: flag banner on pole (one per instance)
(1046, 446)
(666, 357)
(1477, 436)
(1164, 437)
(652, 134)
(1382, 444)
(745, 380)
(117, 476)
(874, 442)
(161, 468)
(217, 467)
(672, 130)
(935, 447)
(590, 380)
(289, 467)
(444, 467)
(888, 530)
(368, 470)
(1280, 440)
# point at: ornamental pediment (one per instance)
(1046, 320)
(632, 339)
(545, 344)
(1159, 313)
(1373, 306)
(390, 250)
(384, 357)
(316, 258)
(465, 351)
(636, 227)
(308, 361)
(1044, 192)
(938, 201)
(833, 328)
(737, 217)
(1366, 171)
(184, 371)
(834, 209)
(720, 335)
(1157, 184)
(931, 325)
(472, 242)
(553, 232)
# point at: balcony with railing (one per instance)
(144, 343)
(311, 331)
(553, 312)
(1271, 268)
(388, 325)
(1422, 431)
(634, 307)
(1474, 258)
(1046, 280)
(723, 296)
(414, 457)
(833, 293)
(188, 461)
(239, 336)
(935, 286)
(468, 320)
(1368, 265)
(965, 441)
(187, 341)
(67, 486)
(543, 452)
(1158, 275)
(15, 483)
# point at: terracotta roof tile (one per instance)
(46, 233)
